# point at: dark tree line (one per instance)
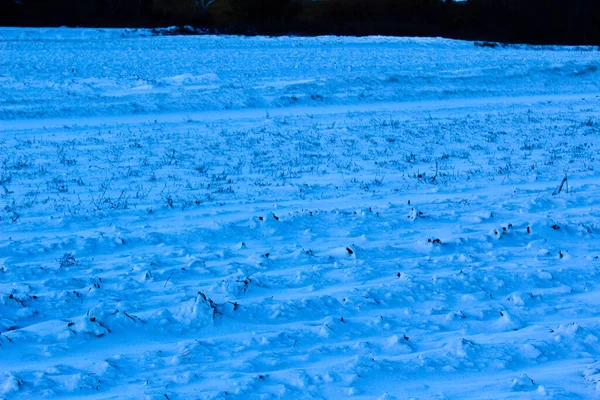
(525, 21)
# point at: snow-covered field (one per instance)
(239, 218)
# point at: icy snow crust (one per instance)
(224, 217)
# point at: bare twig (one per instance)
(564, 183)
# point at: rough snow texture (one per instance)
(222, 217)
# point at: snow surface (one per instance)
(226, 217)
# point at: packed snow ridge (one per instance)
(238, 218)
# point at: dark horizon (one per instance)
(510, 21)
